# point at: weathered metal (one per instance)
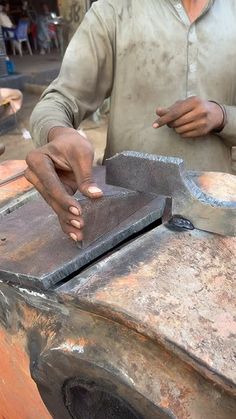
(19, 396)
(147, 331)
(207, 200)
(15, 190)
(33, 233)
(177, 288)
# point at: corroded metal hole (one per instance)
(89, 401)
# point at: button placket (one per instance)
(181, 11)
(192, 54)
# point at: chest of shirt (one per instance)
(155, 42)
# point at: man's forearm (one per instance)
(48, 114)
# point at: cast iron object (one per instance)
(207, 200)
(145, 332)
(151, 326)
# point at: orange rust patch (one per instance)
(11, 168)
(118, 286)
(32, 318)
(219, 185)
(19, 396)
(28, 248)
(16, 187)
(78, 342)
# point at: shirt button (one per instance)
(178, 6)
(192, 67)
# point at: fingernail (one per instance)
(75, 223)
(94, 189)
(155, 125)
(74, 210)
(73, 237)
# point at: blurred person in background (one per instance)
(43, 34)
(5, 20)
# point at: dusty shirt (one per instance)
(146, 54)
(5, 21)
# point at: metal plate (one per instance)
(35, 252)
(16, 192)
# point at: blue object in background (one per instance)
(10, 66)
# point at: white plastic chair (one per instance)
(20, 36)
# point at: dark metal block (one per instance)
(208, 200)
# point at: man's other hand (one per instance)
(58, 169)
(192, 117)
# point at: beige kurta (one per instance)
(147, 54)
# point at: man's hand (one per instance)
(192, 117)
(57, 170)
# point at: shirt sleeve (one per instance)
(85, 78)
(228, 134)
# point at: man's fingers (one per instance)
(192, 134)
(70, 220)
(82, 168)
(177, 110)
(72, 232)
(44, 177)
(73, 209)
(183, 120)
(199, 126)
(159, 112)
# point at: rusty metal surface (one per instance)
(36, 253)
(197, 200)
(177, 288)
(67, 346)
(15, 189)
(19, 396)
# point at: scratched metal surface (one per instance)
(65, 344)
(15, 189)
(177, 288)
(35, 252)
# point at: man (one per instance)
(5, 21)
(172, 56)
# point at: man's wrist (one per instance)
(221, 126)
(58, 130)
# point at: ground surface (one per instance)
(36, 63)
(16, 146)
